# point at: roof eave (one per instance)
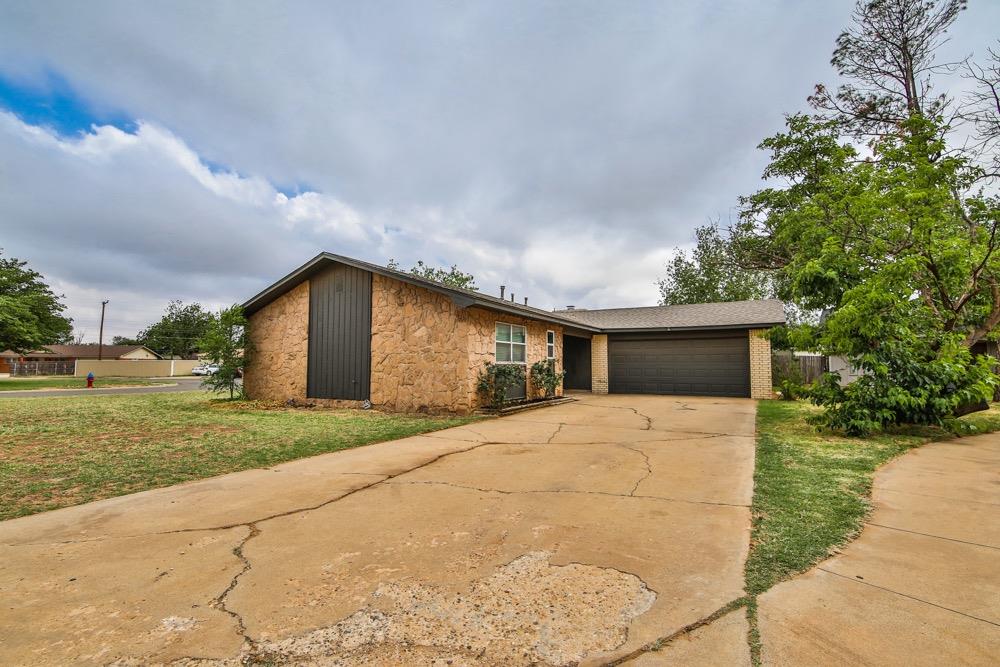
(461, 298)
(713, 327)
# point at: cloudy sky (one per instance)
(198, 151)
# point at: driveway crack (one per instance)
(220, 600)
(649, 468)
(659, 644)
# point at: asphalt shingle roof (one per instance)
(86, 351)
(697, 315)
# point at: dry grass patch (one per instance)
(65, 451)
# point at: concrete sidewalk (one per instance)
(920, 586)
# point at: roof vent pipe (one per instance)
(502, 288)
(512, 297)
(526, 301)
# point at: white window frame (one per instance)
(511, 343)
(550, 348)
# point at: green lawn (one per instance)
(22, 384)
(811, 489)
(59, 452)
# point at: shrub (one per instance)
(495, 380)
(545, 377)
(791, 390)
(901, 387)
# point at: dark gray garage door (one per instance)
(691, 364)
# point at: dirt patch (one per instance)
(527, 612)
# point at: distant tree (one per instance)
(125, 340)
(178, 331)
(31, 315)
(452, 277)
(226, 343)
(709, 273)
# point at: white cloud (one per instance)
(561, 150)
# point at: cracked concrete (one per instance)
(920, 586)
(575, 534)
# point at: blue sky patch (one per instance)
(54, 103)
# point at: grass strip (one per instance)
(812, 491)
(22, 384)
(71, 450)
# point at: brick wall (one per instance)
(760, 365)
(280, 335)
(482, 348)
(599, 363)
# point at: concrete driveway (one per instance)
(577, 533)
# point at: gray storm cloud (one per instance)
(559, 148)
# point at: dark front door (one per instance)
(695, 364)
(340, 334)
(576, 362)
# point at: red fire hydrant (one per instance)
(90, 380)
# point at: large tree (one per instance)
(895, 240)
(453, 277)
(179, 330)
(887, 62)
(710, 273)
(31, 314)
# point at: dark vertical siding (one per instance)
(577, 362)
(340, 334)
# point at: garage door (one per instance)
(706, 365)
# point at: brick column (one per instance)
(599, 364)
(760, 365)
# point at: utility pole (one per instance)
(100, 336)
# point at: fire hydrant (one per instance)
(90, 380)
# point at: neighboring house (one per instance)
(70, 353)
(339, 331)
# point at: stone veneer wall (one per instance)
(599, 363)
(426, 351)
(760, 365)
(420, 348)
(280, 335)
(482, 339)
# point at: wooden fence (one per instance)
(800, 368)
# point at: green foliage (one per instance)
(902, 263)
(179, 330)
(791, 390)
(452, 277)
(30, 313)
(903, 386)
(710, 274)
(227, 343)
(125, 340)
(545, 377)
(495, 380)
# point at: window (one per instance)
(550, 344)
(511, 344)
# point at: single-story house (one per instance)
(60, 359)
(340, 331)
(70, 353)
